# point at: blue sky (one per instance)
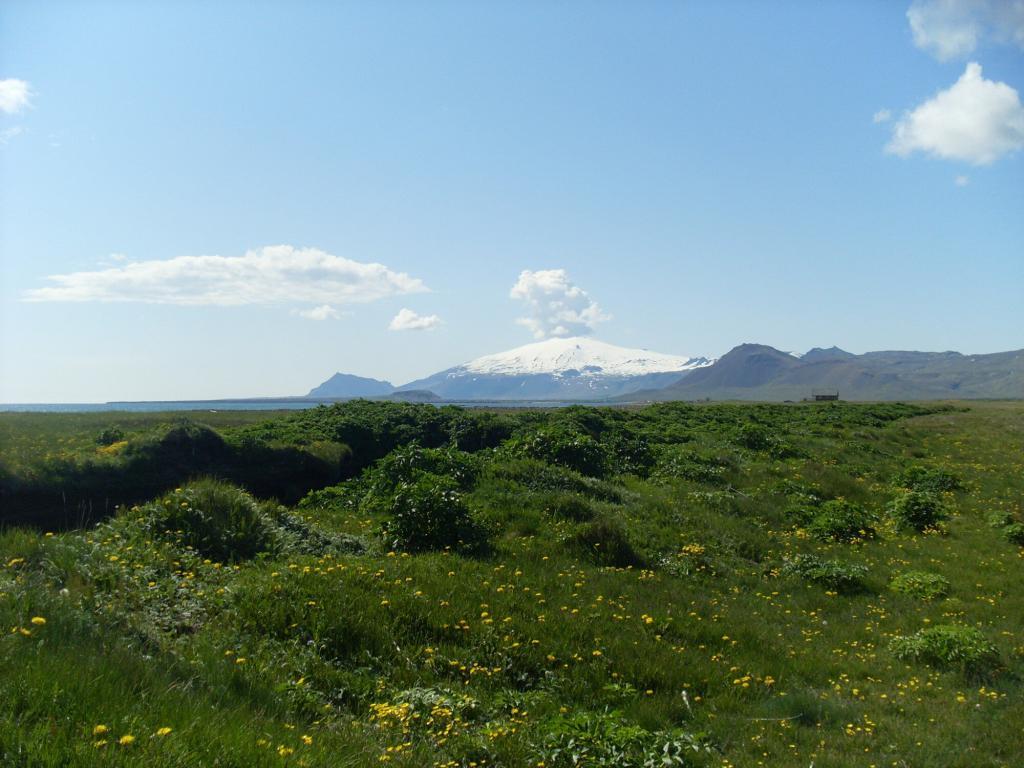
(703, 174)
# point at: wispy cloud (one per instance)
(279, 274)
(9, 133)
(557, 307)
(974, 120)
(323, 312)
(15, 96)
(881, 116)
(962, 181)
(407, 320)
(951, 29)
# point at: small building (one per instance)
(822, 396)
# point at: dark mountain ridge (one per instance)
(759, 372)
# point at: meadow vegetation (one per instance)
(374, 584)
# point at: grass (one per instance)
(636, 600)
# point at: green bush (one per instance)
(403, 465)
(1001, 519)
(604, 541)
(430, 513)
(832, 574)
(1008, 525)
(293, 534)
(604, 740)
(947, 645)
(564, 446)
(217, 519)
(537, 475)
(841, 520)
(574, 508)
(758, 437)
(918, 510)
(629, 454)
(1014, 533)
(755, 437)
(920, 584)
(928, 480)
(685, 463)
(110, 435)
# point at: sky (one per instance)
(203, 200)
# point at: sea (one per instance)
(255, 405)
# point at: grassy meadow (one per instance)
(375, 584)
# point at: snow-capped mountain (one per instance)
(571, 368)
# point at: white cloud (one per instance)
(9, 133)
(15, 95)
(407, 320)
(277, 274)
(881, 116)
(975, 120)
(950, 29)
(323, 312)
(557, 307)
(962, 181)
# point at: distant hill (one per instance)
(347, 385)
(411, 396)
(559, 369)
(818, 355)
(759, 372)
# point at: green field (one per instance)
(708, 585)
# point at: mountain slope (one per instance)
(572, 368)
(757, 372)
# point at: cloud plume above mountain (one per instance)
(556, 306)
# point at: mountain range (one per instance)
(581, 368)
(759, 372)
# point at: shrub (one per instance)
(801, 513)
(563, 446)
(429, 514)
(603, 740)
(1014, 533)
(928, 480)
(841, 577)
(403, 465)
(686, 464)
(604, 541)
(758, 437)
(1001, 519)
(918, 510)
(629, 454)
(841, 520)
(217, 519)
(947, 645)
(293, 534)
(574, 508)
(110, 435)
(920, 584)
(538, 475)
(755, 437)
